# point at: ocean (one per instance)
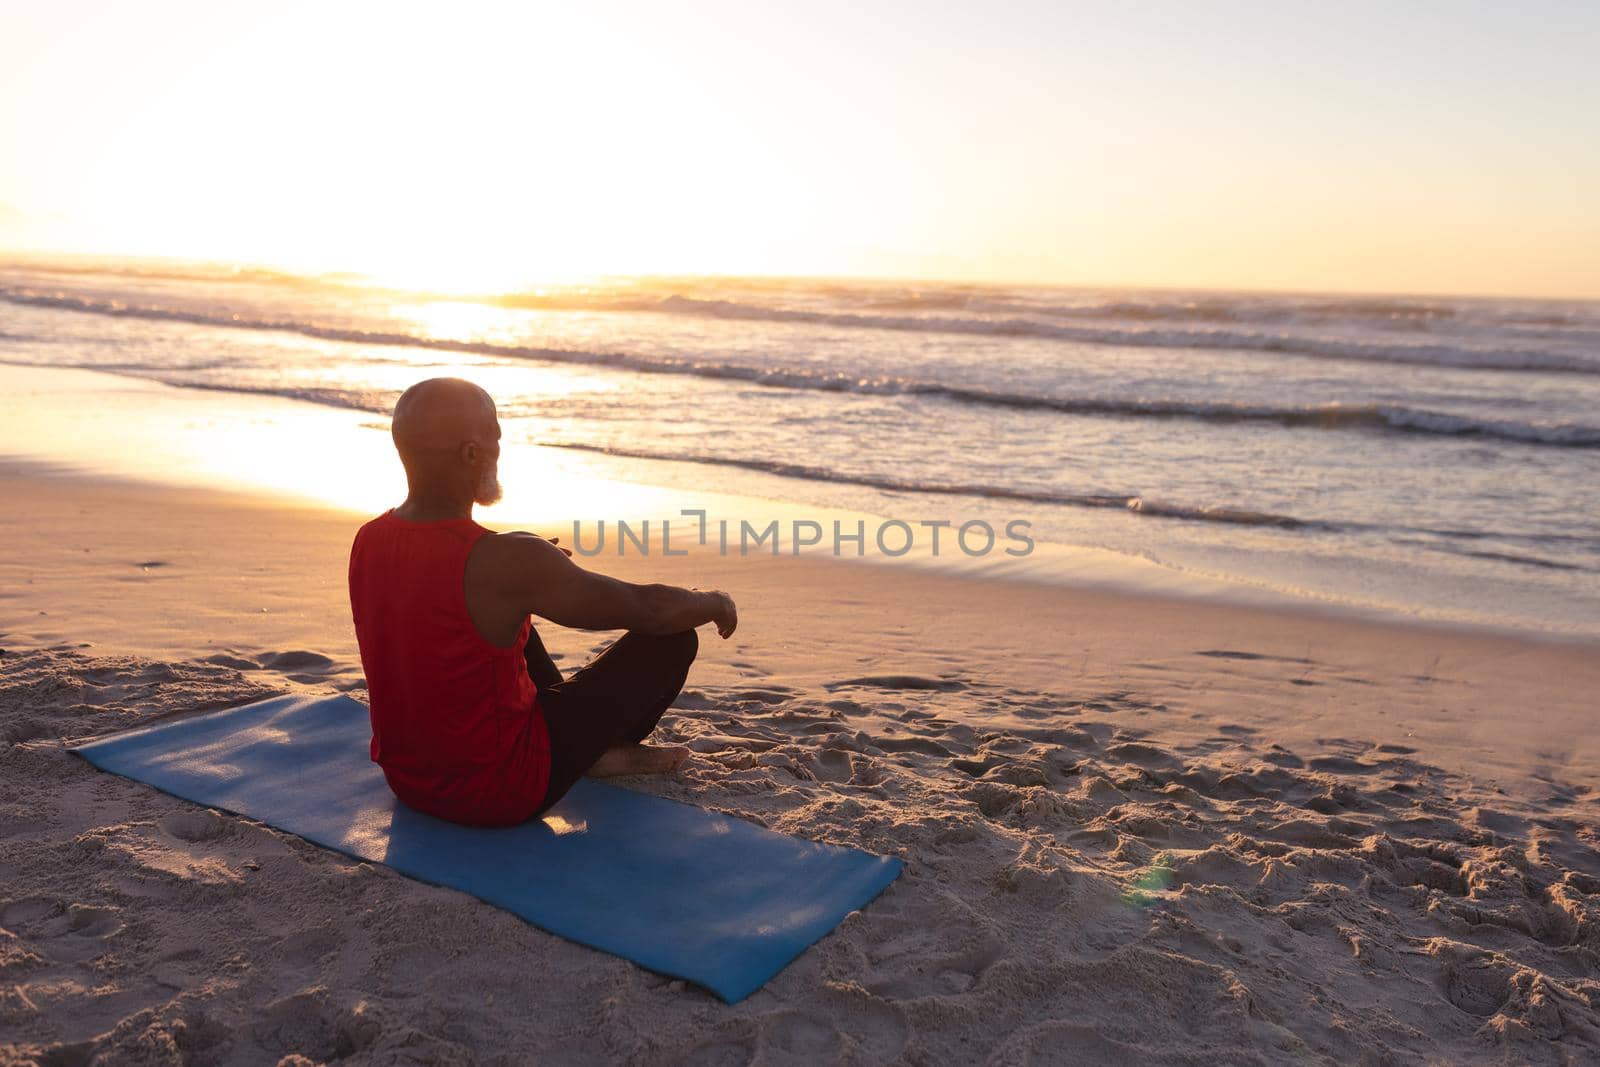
(1436, 457)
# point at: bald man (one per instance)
(471, 720)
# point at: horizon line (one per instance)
(373, 281)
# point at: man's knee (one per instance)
(686, 643)
(681, 645)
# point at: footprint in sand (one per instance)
(792, 1034)
(179, 969)
(26, 730)
(301, 953)
(920, 960)
(900, 681)
(925, 745)
(305, 1023)
(1147, 756)
(769, 695)
(297, 660)
(1341, 765)
(67, 933)
(1228, 653)
(238, 663)
(722, 1052)
(194, 827)
(974, 768)
(17, 915)
(831, 765)
(144, 570)
(313, 668)
(1474, 981)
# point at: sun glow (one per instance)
(303, 452)
(481, 153)
(493, 147)
(456, 319)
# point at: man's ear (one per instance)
(468, 452)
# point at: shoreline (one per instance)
(100, 424)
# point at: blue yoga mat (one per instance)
(675, 888)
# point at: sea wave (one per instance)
(1456, 354)
(171, 271)
(1135, 504)
(1327, 416)
(1570, 357)
(381, 402)
(1132, 503)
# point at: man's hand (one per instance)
(555, 540)
(727, 616)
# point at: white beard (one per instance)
(489, 490)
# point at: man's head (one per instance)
(448, 438)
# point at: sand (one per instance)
(1135, 829)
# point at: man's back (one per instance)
(442, 611)
(455, 720)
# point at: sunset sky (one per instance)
(1417, 147)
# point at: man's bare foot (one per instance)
(639, 759)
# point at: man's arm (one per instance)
(542, 581)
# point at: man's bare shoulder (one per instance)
(519, 535)
(518, 553)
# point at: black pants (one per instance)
(616, 699)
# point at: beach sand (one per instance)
(1136, 829)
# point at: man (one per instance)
(471, 720)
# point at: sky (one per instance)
(1369, 147)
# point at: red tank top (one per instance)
(456, 723)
